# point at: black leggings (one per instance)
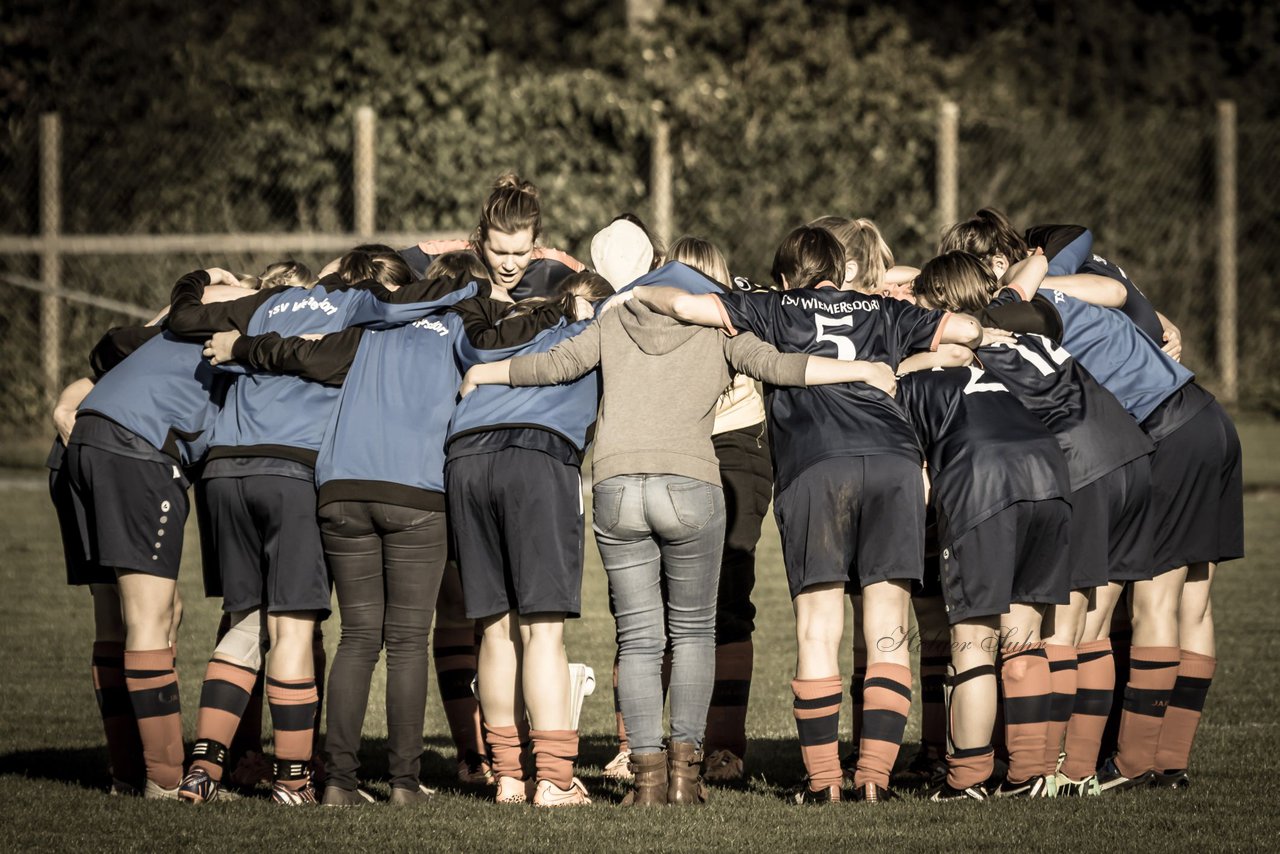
(746, 471)
(386, 562)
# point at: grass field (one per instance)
(52, 759)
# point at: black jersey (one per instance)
(541, 278)
(1096, 434)
(848, 420)
(984, 450)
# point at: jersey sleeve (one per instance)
(190, 318)
(565, 362)
(913, 328)
(1009, 311)
(323, 360)
(1066, 246)
(751, 312)
(1136, 305)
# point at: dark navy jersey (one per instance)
(546, 269)
(808, 425)
(984, 450)
(1096, 434)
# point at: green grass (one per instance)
(52, 760)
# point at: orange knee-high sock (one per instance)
(1062, 682)
(934, 658)
(1025, 675)
(623, 744)
(124, 745)
(1153, 670)
(293, 718)
(223, 699)
(886, 695)
(455, 650)
(1195, 675)
(153, 693)
(817, 710)
(505, 749)
(320, 660)
(1095, 683)
(727, 716)
(969, 765)
(554, 753)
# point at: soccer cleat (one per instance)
(474, 770)
(1068, 788)
(828, 795)
(619, 767)
(1111, 780)
(338, 797)
(1034, 787)
(871, 793)
(945, 792)
(252, 769)
(198, 787)
(1050, 785)
(411, 797)
(292, 786)
(548, 794)
(285, 796)
(155, 792)
(722, 766)
(1176, 779)
(512, 791)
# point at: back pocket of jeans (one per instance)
(693, 502)
(606, 506)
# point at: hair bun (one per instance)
(512, 181)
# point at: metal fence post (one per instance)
(364, 164)
(1228, 297)
(660, 176)
(50, 260)
(948, 177)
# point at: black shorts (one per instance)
(1197, 493)
(1018, 556)
(515, 519)
(208, 547)
(80, 570)
(267, 539)
(1111, 527)
(130, 513)
(857, 520)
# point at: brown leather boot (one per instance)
(685, 771)
(649, 786)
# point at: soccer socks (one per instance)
(248, 735)
(1095, 684)
(1153, 670)
(727, 716)
(1025, 676)
(817, 710)
(293, 716)
(124, 745)
(1062, 700)
(886, 695)
(153, 693)
(504, 750)
(223, 699)
(1195, 674)
(554, 753)
(454, 651)
(934, 658)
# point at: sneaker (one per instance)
(722, 766)
(945, 792)
(871, 793)
(619, 767)
(474, 770)
(1111, 780)
(1034, 787)
(1176, 779)
(828, 795)
(513, 791)
(335, 796)
(548, 794)
(252, 770)
(1068, 788)
(411, 797)
(198, 787)
(155, 792)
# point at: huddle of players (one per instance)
(1046, 492)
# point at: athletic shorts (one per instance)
(1018, 556)
(1111, 527)
(267, 539)
(80, 570)
(208, 548)
(130, 513)
(1197, 493)
(856, 520)
(515, 519)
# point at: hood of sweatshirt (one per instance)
(655, 334)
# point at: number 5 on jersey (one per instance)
(844, 347)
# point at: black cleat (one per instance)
(945, 792)
(870, 793)
(1111, 780)
(829, 795)
(1035, 787)
(1176, 779)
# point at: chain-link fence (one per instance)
(1144, 182)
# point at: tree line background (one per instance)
(184, 117)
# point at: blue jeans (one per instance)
(660, 539)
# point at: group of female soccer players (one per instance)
(1003, 440)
